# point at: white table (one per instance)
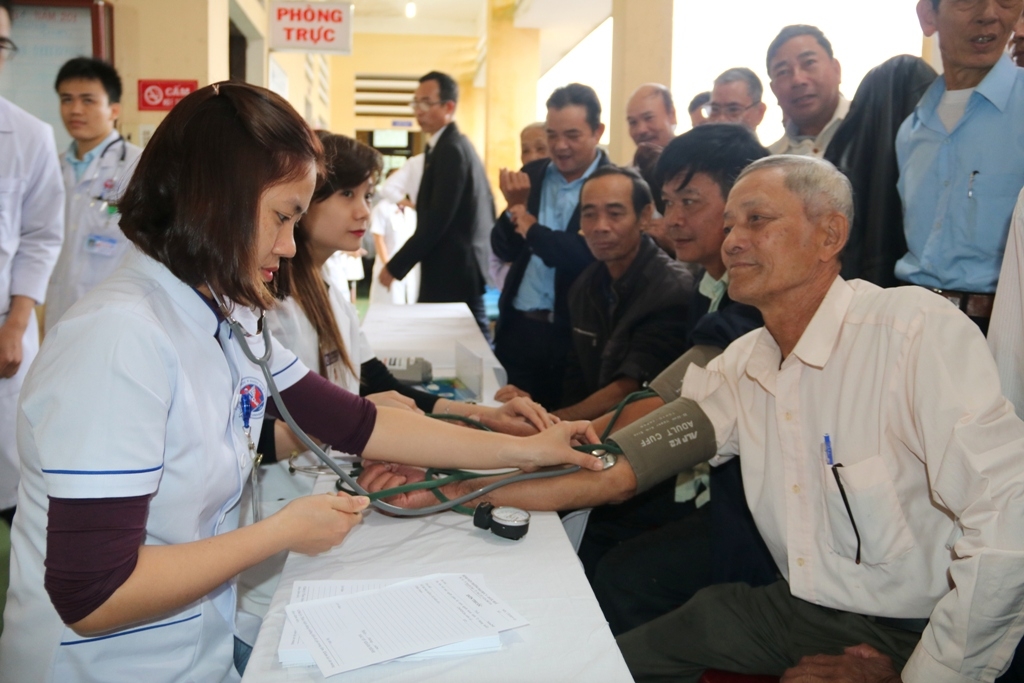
(540, 576)
(567, 639)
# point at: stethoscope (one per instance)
(109, 184)
(606, 452)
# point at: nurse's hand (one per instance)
(519, 417)
(10, 350)
(553, 446)
(318, 523)
(509, 392)
(393, 399)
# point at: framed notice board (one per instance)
(48, 33)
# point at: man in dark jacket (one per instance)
(628, 310)
(454, 207)
(539, 236)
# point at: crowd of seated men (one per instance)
(821, 341)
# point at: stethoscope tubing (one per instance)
(264, 364)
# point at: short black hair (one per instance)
(581, 96)
(699, 101)
(448, 89)
(720, 150)
(90, 69)
(790, 32)
(642, 196)
(742, 73)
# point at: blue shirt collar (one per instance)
(552, 172)
(996, 87)
(71, 156)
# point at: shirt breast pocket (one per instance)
(870, 509)
(991, 198)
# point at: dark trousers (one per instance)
(733, 627)
(653, 573)
(479, 311)
(533, 353)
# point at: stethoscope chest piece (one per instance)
(504, 522)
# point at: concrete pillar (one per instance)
(167, 39)
(513, 67)
(641, 53)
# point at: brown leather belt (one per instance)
(974, 305)
(539, 316)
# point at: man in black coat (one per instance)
(539, 236)
(454, 207)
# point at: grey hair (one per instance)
(742, 73)
(821, 186)
(538, 125)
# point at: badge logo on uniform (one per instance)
(254, 395)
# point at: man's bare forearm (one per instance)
(569, 492)
(601, 401)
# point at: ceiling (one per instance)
(562, 23)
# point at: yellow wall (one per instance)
(641, 53)
(407, 55)
(513, 65)
(170, 39)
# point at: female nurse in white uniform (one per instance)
(136, 420)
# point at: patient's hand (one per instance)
(378, 476)
(509, 392)
(858, 664)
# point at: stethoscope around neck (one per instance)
(264, 364)
(99, 165)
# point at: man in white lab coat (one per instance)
(96, 167)
(31, 230)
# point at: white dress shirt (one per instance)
(931, 453)
(1006, 328)
(405, 181)
(811, 145)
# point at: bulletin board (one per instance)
(48, 33)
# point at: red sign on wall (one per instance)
(162, 95)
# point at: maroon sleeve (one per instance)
(330, 413)
(92, 545)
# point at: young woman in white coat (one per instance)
(317, 322)
(136, 420)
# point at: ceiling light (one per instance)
(410, 10)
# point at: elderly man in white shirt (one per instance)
(881, 463)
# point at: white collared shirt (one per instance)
(904, 385)
(811, 146)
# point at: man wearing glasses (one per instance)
(805, 78)
(454, 206)
(31, 231)
(736, 98)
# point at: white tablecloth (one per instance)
(567, 639)
(540, 576)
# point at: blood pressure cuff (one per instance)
(672, 439)
(669, 384)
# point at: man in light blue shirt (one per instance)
(959, 155)
(539, 235)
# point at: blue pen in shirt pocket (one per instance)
(834, 466)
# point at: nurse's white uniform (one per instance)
(31, 229)
(292, 329)
(93, 242)
(137, 391)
